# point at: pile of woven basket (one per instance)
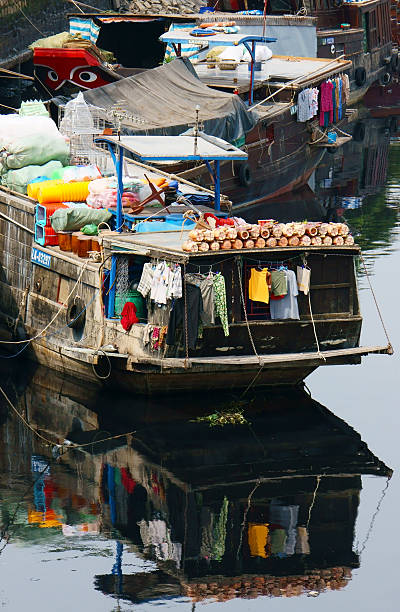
(268, 234)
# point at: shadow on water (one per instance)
(262, 508)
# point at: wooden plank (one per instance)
(253, 360)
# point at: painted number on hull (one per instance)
(40, 258)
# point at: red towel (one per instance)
(128, 315)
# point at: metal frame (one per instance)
(118, 163)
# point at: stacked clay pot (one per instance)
(268, 233)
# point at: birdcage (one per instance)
(82, 126)
(86, 123)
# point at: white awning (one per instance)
(170, 148)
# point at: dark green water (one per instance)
(179, 517)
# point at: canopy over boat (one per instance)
(165, 100)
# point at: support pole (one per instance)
(217, 185)
(120, 189)
(112, 289)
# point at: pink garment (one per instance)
(326, 102)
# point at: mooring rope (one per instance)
(389, 346)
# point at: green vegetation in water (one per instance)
(231, 415)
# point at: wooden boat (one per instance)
(283, 152)
(49, 285)
(307, 463)
(360, 31)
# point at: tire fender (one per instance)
(76, 313)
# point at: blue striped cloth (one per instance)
(85, 27)
(185, 48)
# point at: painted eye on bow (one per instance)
(53, 76)
(86, 76)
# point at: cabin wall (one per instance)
(15, 249)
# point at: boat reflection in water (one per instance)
(265, 508)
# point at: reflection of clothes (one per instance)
(258, 286)
(207, 524)
(257, 537)
(219, 532)
(302, 545)
(220, 301)
(286, 516)
(177, 317)
(127, 480)
(278, 541)
(156, 534)
(206, 286)
(287, 308)
(278, 282)
(128, 316)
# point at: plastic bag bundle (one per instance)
(78, 174)
(27, 141)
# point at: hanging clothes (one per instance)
(258, 285)
(175, 283)
(303, 279)
(287, 307)
(177, 316)
(146, 280)
(162, 281)
(339, 98)
(128, 316)
(326, 108)
(278, 283)
(307, 104)
(346, 88)
(206, 286)
(220, 301)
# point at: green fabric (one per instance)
(72, 219)
(117, 476)
(220, 302)
(278, 541)
(219, 532)
(90, 230)
(278, 282)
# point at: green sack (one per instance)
(72, 219)
(17, 180)
(90, 230)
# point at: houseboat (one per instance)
(298, 489)
(360, 31)
(70, 312)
